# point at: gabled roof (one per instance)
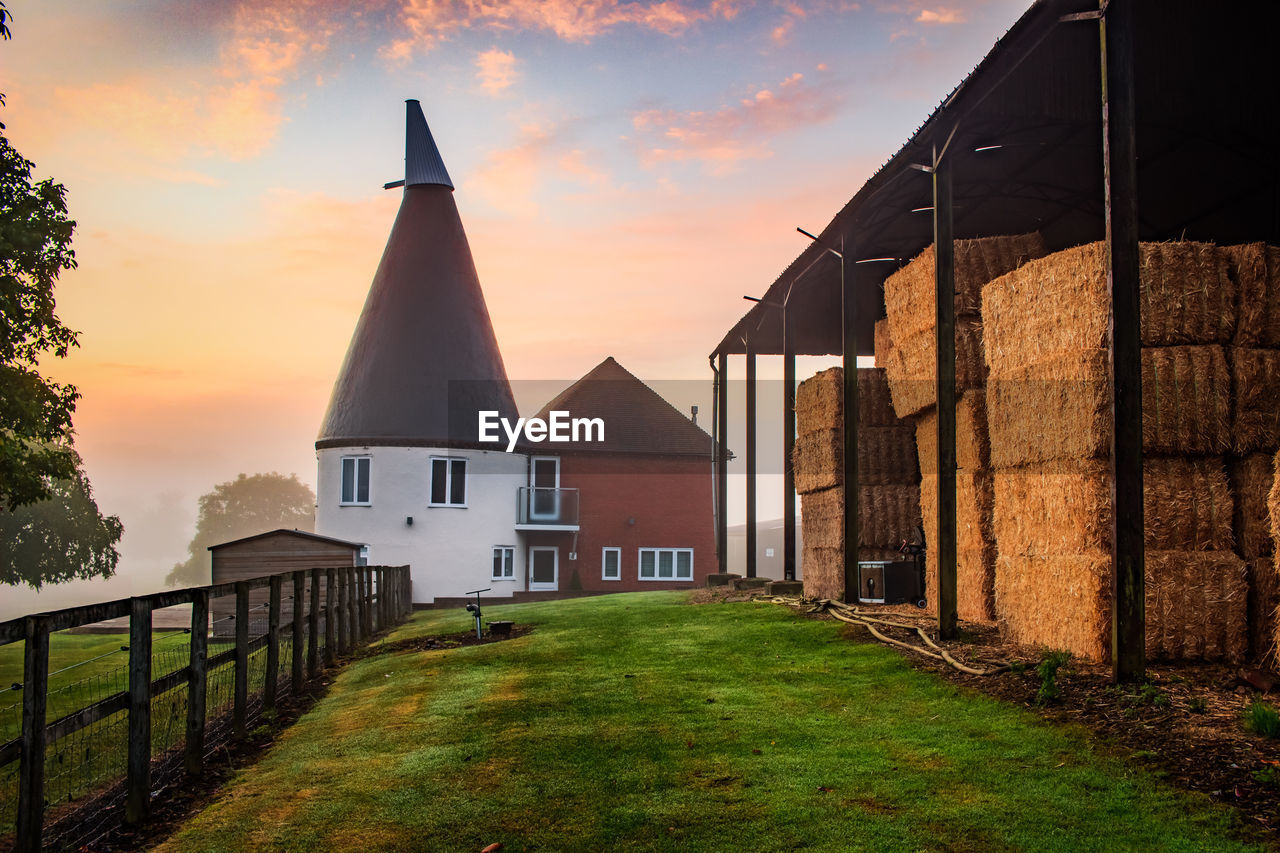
(423, 359)
(301, 534)
(636, 418)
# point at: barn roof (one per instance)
(423, 359)
(1024, 134)
(637, 419)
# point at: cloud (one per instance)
(940, 15)
(511, 178)
(735, 132)
(496, 70)
(425, 23)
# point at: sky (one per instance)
(626, 172)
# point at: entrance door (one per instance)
(544, 568)
(544, 477)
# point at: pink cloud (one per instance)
(496, 70)
(427, 22)
(940, 16)
(735, 132)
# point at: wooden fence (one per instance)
(335, 609)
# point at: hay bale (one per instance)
(1056, 601)
(820, 401)
(910, 293)
(1196, 606)
(1255, 269)
(1251, 480)
(886, 455)
(1264, 598)
(882, 341)
(1060, 303)
(973, 445)
(975, 584)
(1273, 509)
(1065, 507)
(975, 501)
(1060, 408)
(1195, 603)
(1255, 384)
(887, 515)
(912, 367)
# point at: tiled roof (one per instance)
(637, 419)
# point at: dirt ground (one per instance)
(1185, 722)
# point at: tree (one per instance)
(35, 412)
(244, 507)
(63, 537)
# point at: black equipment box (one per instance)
(889, 582)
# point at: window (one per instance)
(355, 480)
(362, 557)
(611, 564)
(666, 564)
(504, 563)
(448, 482)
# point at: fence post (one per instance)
(368, 601)
(197, 682)
(138, 780)
(299, 608)
(353, 619)
(271, 681)
(35, 687)
(313, 627)
(340, 609)
(239, 712)
(357, 617)
(381, 600)
(362, 603)
(330, 614)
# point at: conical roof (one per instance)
(424, 359)
(637, 419)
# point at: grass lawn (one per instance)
(638, 721)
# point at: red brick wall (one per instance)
(669, 499)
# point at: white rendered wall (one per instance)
(450, 549)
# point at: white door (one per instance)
(544, 568)
(544, 478)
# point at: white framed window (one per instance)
(362, 556)
(611, 564)
(666, 564)
(355, 481)
(448, 485)
(504, 563)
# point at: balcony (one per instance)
(546, 509)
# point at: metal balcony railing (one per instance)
(545, 506)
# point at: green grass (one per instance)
(1263, 719)
(640, 722)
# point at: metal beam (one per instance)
(1119, 151)
(788, 447)
(750, 451)
(849, 337)
(722, 463)
(944, 549)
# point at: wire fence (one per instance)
(85, 746)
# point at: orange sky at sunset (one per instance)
(626, 171)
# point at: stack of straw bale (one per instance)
(888, 494)
(1253, 359)
(911, 308)
(1049, 420)
(907, 345)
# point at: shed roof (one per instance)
(1024, 131)
(637, 419)
(299, 534)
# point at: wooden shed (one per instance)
(269, 553)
